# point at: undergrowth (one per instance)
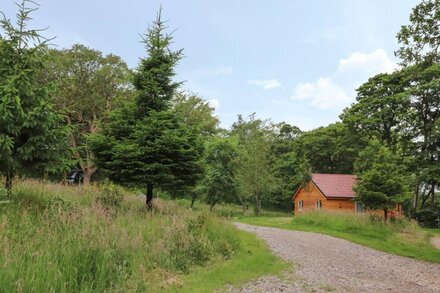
(73, 239)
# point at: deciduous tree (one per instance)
(329, 149)
(254, 170)
(219, 184)
(424, 119)
(88, 86)
(420, 39)
(382, 104)
(196, 113)
(381, 180)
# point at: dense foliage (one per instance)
(32, 135)
(381, 179)
(88, 86)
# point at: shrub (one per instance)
(111, 196)
(3, 192)
(428, 217)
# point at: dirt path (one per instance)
(323, 263)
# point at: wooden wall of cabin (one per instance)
(309, 194)
(340, 205)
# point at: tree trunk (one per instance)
(193, 199)
(385, 214)
(258, 205)
(433, 194)
(88, 173)
(243, 205)
(388, 136)
(8, 184)
(212, 206)
(416, 196)
(149, 197)
(424, 199)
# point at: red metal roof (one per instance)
(335, 185)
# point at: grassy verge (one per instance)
(251, 261)
(433, 231)
(403, 237)
(73, 239)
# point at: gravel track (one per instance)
(436, 242)
(323, 263)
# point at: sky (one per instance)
(286, 60)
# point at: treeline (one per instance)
(77, 108)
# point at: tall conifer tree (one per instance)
(145, 142)
(32, 138)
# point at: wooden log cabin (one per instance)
(326, 192)
(331, 192)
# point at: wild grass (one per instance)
(230, 211)
(402, 236)
(75, 239)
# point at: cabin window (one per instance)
(300, 205)
(318, 205)
(359, 207)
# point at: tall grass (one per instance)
(228, 210)
(401, 236)
(64, 239)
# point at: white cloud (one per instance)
(266, 84)
(374, 62)
(338, 90)
(214, 103)
(323, 94)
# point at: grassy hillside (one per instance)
(402, 237)
(73, 239)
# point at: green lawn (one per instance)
(403, 237)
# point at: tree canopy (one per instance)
(419, 39)
(88, 86)
(381, 180)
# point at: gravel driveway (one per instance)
(323, 263)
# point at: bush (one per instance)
(3, 192)
(428, 217)
(111, 196)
